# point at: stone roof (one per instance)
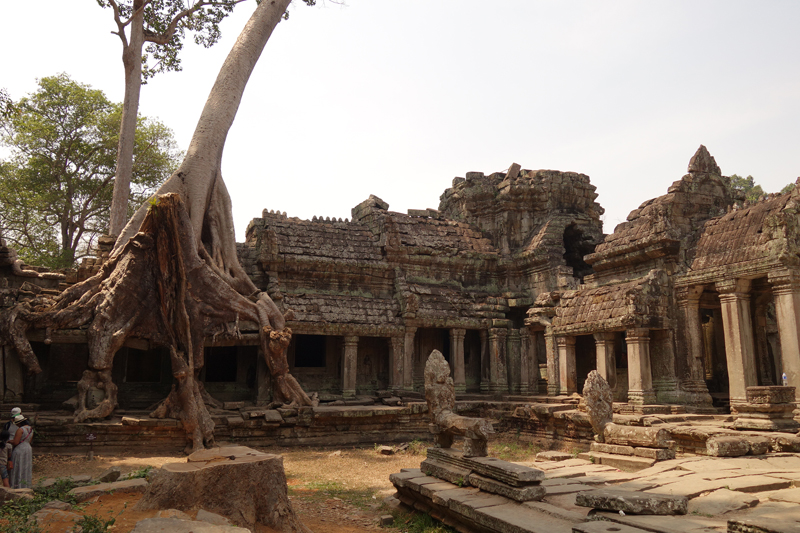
(640, 303)
(431, 236)
(742, 236)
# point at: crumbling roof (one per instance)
(640, 303)
(342, 308)
(740, 236)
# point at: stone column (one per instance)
(457, 357)
(498, 381)
(485, 365)
(553, 364)
(397, 362)
(640, 378)
(567, 371)
(408, 358)
(527, 360)
(694, 384)
(786, 289)
(734, 296)
(606, 360)
(349, 365)
(662, 366)
(513, 364)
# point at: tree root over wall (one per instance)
(158, 286)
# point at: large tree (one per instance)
(152, 33)
(174, 278)
(56, 186)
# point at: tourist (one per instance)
(6, 463)
(10, 426)
(22, 456)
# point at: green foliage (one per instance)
(57, 184)
(746, 187)
(141, 473)
(93, 524)
(419, 523)
(166, 23)
(18, 513)
(789, 188)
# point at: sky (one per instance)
(397, 98)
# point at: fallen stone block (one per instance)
(553, 456)
(521, 494)
(76, 479)
(454, 474)
(212, 518)
(109, 476)
(650, 437)
(510, 473)
(46, 516)
(762, 525)
(727, 447)
(129, 486)
(632, 502)
(10, 495)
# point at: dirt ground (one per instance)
(333, 490)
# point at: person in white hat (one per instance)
(10, 426)
(22, 456)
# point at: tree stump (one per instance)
(242, 484)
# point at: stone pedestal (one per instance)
(767, 409)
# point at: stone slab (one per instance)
(622, 462)
(453, 474)
(129, 486)
(788, 495)
(416, 483)
(429, 489)
(568, 488)
(722, 501)
(510, 473)
(399, 480)
(757, 483)
(665, 524)
(553, 456)
(659, 454)
(557, 512)
(521, 494)
(690, 486)
(515, 518)
(618, 449)
(443, 497)
(578, 471)
(633, 502)
(763, 525)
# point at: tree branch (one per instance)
(165, 37)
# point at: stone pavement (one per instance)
(751, 494)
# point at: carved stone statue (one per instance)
(445, 424)
(598, 398)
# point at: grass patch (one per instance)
(418, 523)
(325, 490)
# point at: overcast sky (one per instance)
(396, 98)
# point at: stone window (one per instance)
(221, 364)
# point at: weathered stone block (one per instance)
(632, 502)
(727, 447)
(521, 494)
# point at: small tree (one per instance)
(56, 187)
(746, 187)
(162, 24)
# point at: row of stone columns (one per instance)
(740, 349)
(640, 376)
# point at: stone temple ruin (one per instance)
(684, 307)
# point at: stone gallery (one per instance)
(692, 300)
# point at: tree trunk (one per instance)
(132, 62)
